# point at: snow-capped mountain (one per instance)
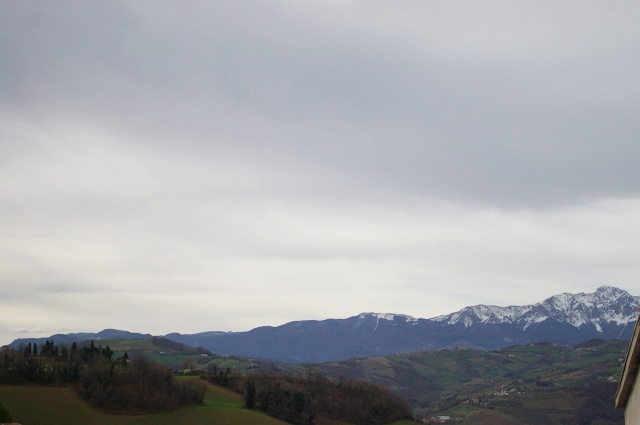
(608, 313)
(606, 307)
(388, 316)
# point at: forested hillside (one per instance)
(123, 384)
(539, 384)
(111, 384)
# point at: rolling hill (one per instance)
(536, 384)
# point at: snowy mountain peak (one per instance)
(483, 314)
(387, 316)
(606, 289)
(607, 305)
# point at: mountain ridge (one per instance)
(564, 318)
(579, 309)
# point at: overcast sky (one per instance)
(194, 166)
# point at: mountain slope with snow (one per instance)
(605, 307)
(608, 313)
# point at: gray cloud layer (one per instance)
(255, 162)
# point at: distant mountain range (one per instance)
(608, 313)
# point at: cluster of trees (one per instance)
(50, 364)
(49, 349)
(142, 386)
(302, 400)
(116, 385)
(223, 377)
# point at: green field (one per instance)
(170, 354)
(39, 405)
(44, 405)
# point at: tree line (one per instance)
(301, 400)
(116, 385)
(49, 364)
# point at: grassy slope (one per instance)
(173, 355)
(38, 405)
